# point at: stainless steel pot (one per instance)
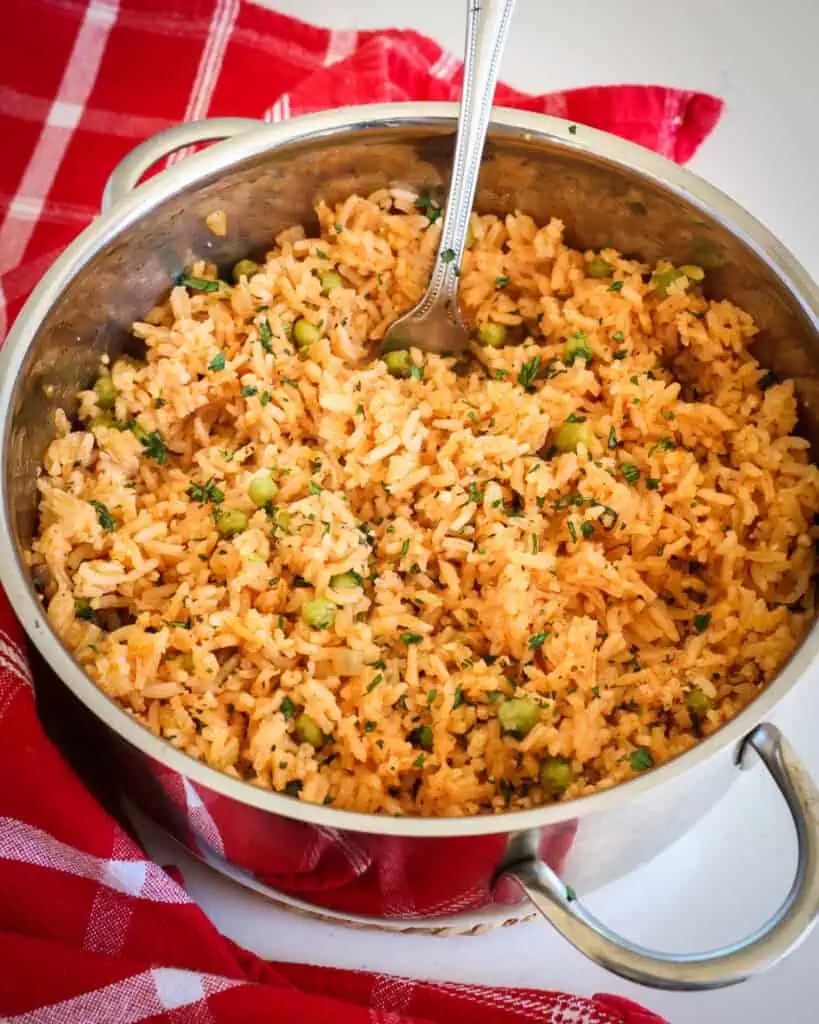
(267, 177)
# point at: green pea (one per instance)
(330, 280)
(421, 737)
(262, 488)
(399, 363)
(568, 437)
(103, 420)
(598, 267)
(245, 268)
(282, 519)
(305, 333)
(556, 775)
(661, 280)
(308, 732)
(576, 347)
(698, 702)
(319, 613)
(518, 716)
(231, 522)
(345, 581)
(492, 335)
(106, 392)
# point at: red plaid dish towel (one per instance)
(90, 930)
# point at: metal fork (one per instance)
(435, 324)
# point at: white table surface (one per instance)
(731, 871)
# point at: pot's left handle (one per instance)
(731, 964)
(126, 175)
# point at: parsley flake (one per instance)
(200, 284)
(641, 759)
(104, 517)
(528, 373)
(537, 640)
(218, 362)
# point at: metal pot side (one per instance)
(607, 192)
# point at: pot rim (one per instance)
(219, 158)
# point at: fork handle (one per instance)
(486, 30)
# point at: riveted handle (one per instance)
(781, 934)
(128, 172)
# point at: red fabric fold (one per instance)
(89, 928)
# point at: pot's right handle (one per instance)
(731, 964)
(126, 175)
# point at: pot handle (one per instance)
(126, 175)
(716, 968)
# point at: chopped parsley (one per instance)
(264, 398)
(369, 726)
(537, 640)
(416, 372)
(289, 382)
(615, 286)
(265, 334)
(287, 708)
(608, 518)
(619, 354)
(572, 500)
(630, 472)
(595, 691)
(200, 284)
(375, 681)
(500, 374)
(431, 697)
(653, 483)
(459, 698)
(218, 362)
(294, 788)
(405, 546)
(641, 759)
(447, 256)
(155, 447)
(618, 336)
(159, 403)
(313, 487)
(502, 281)
(178, 623)
(572, 530)
(528, 373)
(702, 622)
(418, 762)
(587, 529)
(428, 207)
(359, 410)
(667, 414)
(206, 492)
(612, 442)
(83, 609)
(104, 517)
(408, 639)
(665, 444)
(475, 493)
(248, 391)
(572, 129)
(571, 895)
